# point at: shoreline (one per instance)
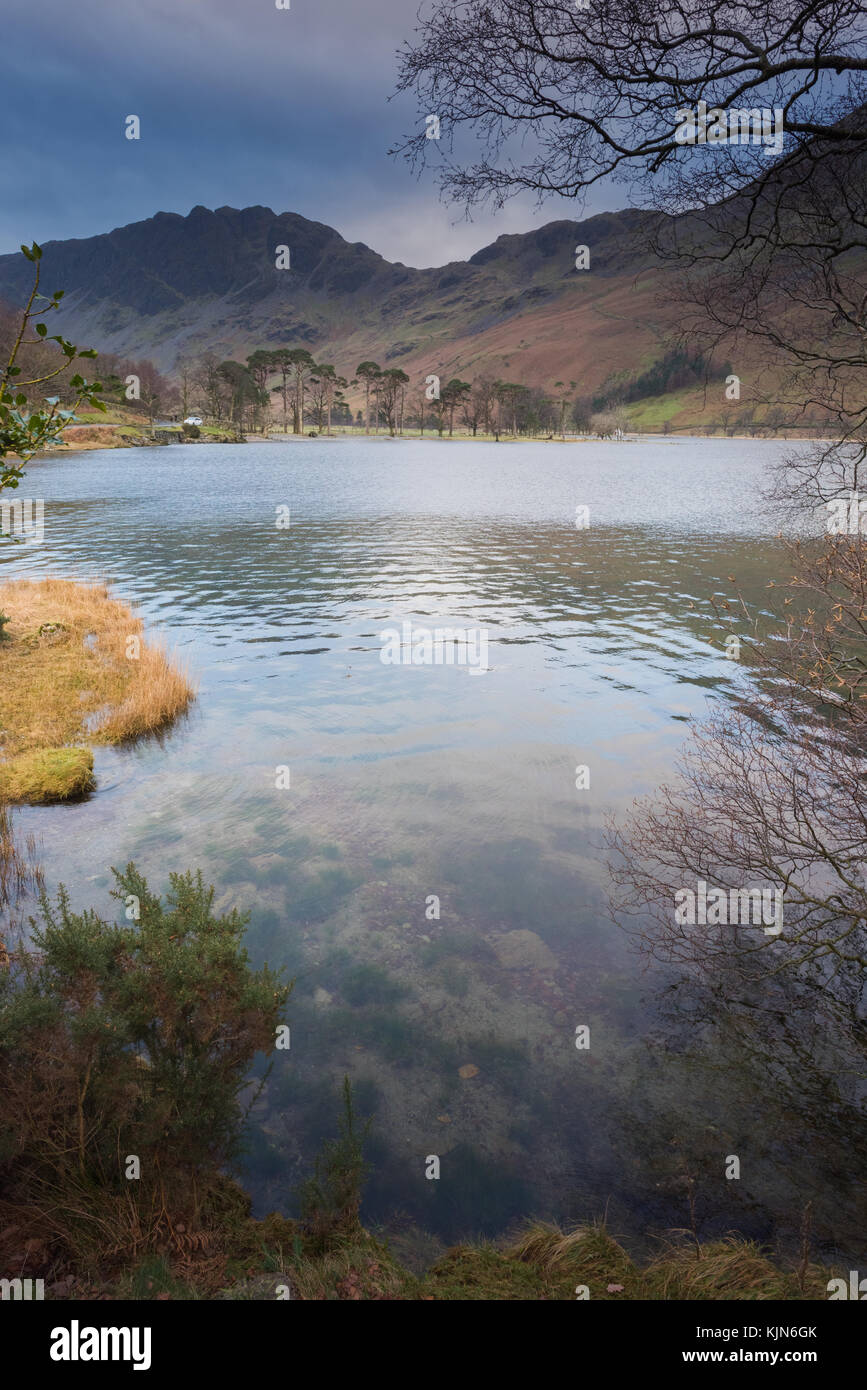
(121, 441)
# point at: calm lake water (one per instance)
(412, 781)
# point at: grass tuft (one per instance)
(542, 1262)
(47, 774)
(729, 1269)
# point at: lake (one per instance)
(411, 783)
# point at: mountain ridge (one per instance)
(174, 286)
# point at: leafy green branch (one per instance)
(24, 431)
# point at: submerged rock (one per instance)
(522, 950)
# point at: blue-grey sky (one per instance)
(240, 103)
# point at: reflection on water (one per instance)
(414, 782)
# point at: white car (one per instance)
(194, 420)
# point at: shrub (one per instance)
(128, 1040)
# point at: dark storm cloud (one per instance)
(240, 103)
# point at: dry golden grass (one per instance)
(731, 1269)
(75, 668)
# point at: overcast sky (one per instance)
(240, 103)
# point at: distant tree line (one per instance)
(308, 394)
(289, 385)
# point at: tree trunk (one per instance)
(299, 403)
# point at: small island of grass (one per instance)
(75, 669)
